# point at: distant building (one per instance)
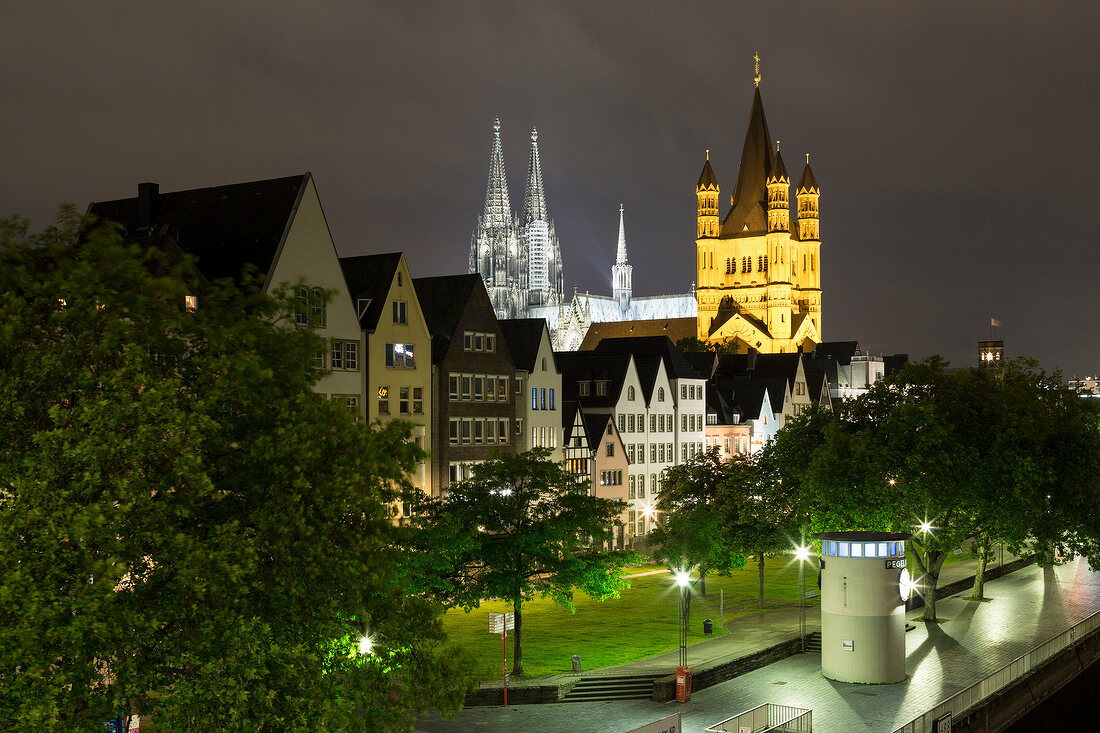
(521, 265)
(396, 352)
(991, 354)
(538, 385)
(274, 225)
(473, 378)
(759, 277)
(1086, 387)
(850, 370)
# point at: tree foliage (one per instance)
(185, 527)
(521, 527)
(967, 454)
(695, 533)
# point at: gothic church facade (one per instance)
(759, 277)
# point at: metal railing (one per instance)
(963, 701)
(767, 717)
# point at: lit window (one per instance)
(384, 400)
(857, 549)
(400, 356)
(190, 303)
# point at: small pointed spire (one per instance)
(620, 252)
(756, 58)
(708, 153)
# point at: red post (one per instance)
(504, 642)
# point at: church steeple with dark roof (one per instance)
(706, 193)
(750, 195)
(759, 280)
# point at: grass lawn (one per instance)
(643, 622)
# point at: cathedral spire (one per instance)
(498, 210)
(621, 272)
(534, 200)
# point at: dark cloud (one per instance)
(954, 142)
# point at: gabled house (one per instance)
(594, 449)
(395, 347)
(473, 378)
(538, 384)
(750, 400)
(276, 226)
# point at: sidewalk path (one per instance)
(972, 640)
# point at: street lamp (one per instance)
(683, 579)
(802, 554)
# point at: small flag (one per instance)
(994, 322)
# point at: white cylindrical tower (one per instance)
(864, 585)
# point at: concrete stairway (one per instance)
(813, 642)
(601, 689)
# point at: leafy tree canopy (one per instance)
(522, 527)
(185, 527)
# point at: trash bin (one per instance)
(708, 627)
(683, 684)
(576, 663)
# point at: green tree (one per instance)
(185, 527)
(692, 345)
(522, 527)
(953, 457)
(694, 534)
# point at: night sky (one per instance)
(956, 144)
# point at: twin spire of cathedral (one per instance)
(519, 259)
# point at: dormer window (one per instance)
(583, 388)
(601, 389)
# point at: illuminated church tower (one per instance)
(495, 251)
(537, 237)
(759, 278)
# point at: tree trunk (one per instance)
(702, 582)
(517, 639)
(979, 576)
(935, 562)
(760, 557)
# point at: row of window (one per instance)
(538, 398)
(611, 478)
(577, 466)
(637, 487)
(584, 389)
(740, 444)
(478, 387)
(474, 341)
(478, 431)
(658, 423)
(863, 549)
(691, 391)
(543, 437)
(410, 400)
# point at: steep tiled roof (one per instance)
(587, 366)
(443, 301)
(750, 196)
(523, 336)
(595, 425)
(224, 227)
(674, 328)
(370, 277)
(676, 366)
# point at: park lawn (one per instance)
(641, 623)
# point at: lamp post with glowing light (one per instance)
(802, 554)
(683, 579)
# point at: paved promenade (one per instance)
(972, 640)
